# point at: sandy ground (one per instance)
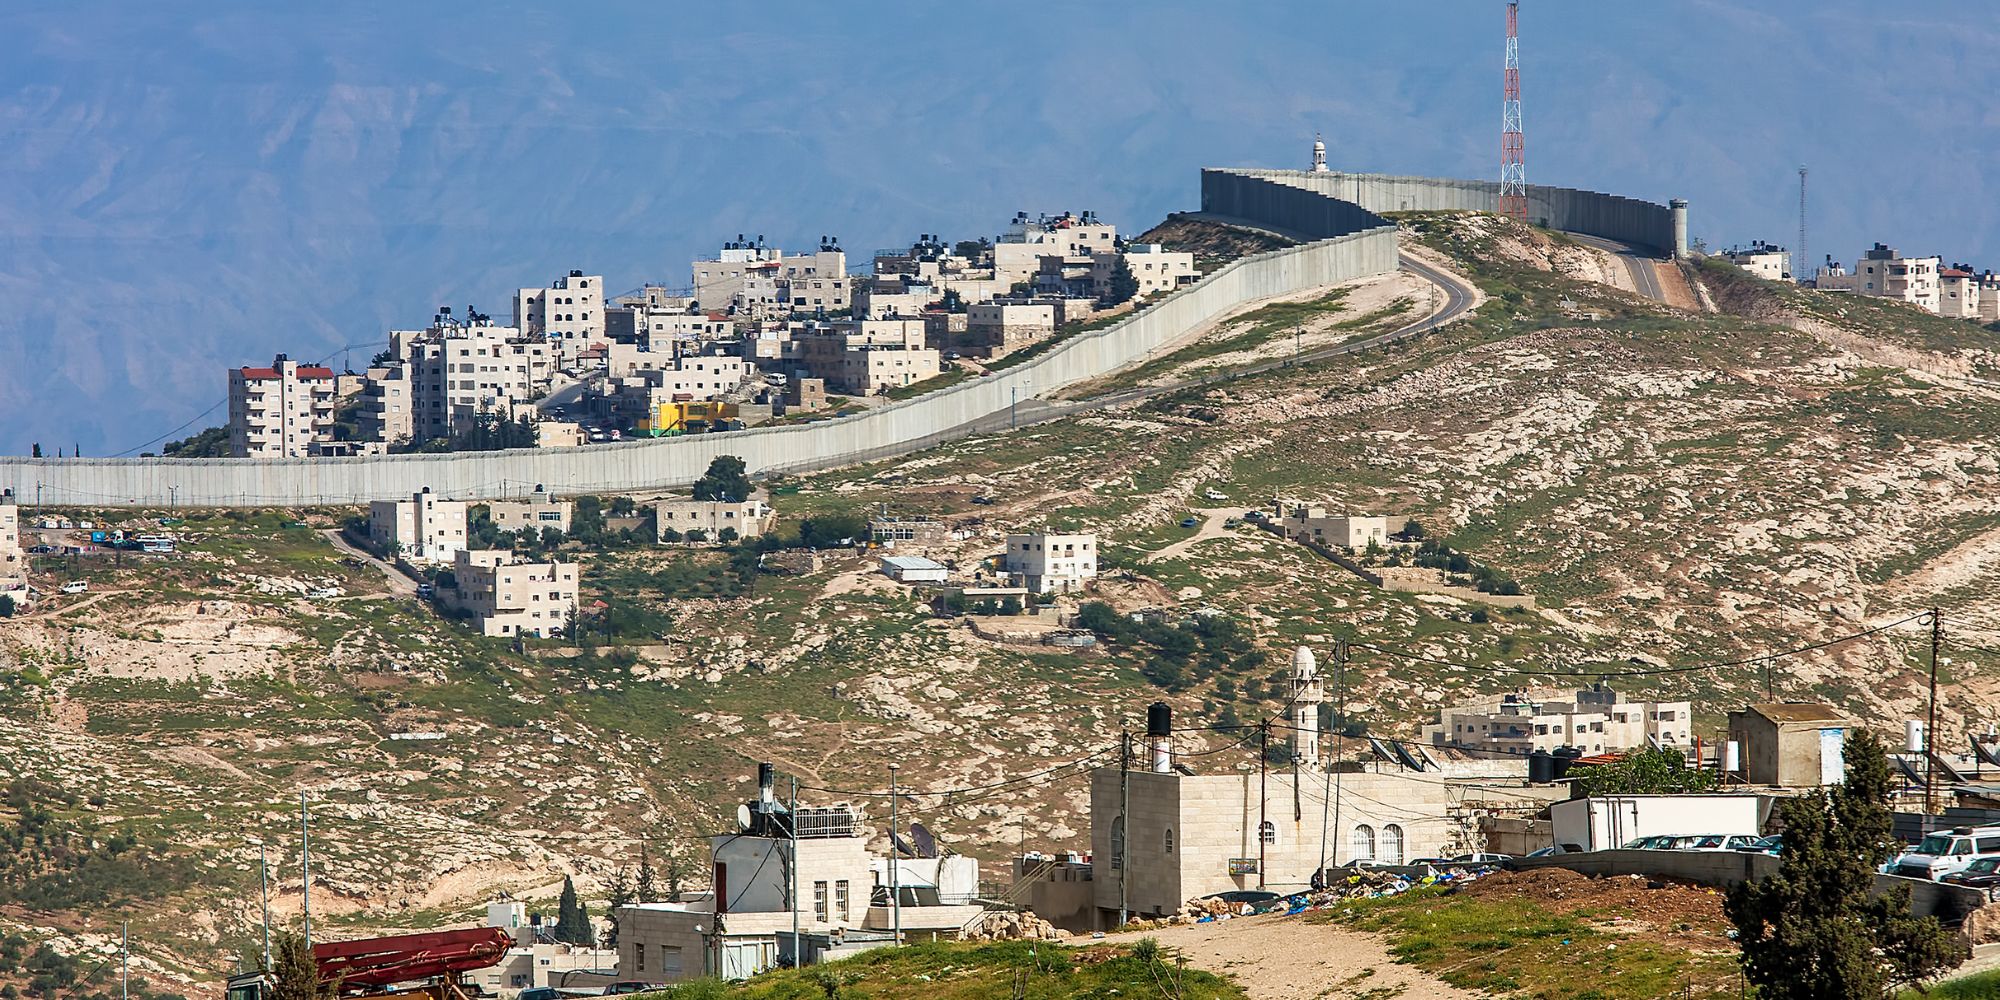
(1673, 284)
(1213, 519)
(1285, 958)
(400, 585)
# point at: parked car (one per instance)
(1254, 897)
(1947, 851)
(1190, 522)
(1648, 844)
(426, 590)
(1547, 852)
(324, 593)
(1772, 845)
(624, 986)
(983, 500)
(1482, 858)
(76, 586)
(1721, 842)
(1983, 873)
(539, 993)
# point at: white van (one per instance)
(1947, 851)
(76, 586)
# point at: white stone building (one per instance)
(1157, 269)
(1884, 273)
(1073, 239)
(280, 411)
(1595, 720)
(996, 329)
(1304, 523)
(508, 596)
(540, 511)
(1772, 263)
(757, 280)
(749, 518)
(459, 370)
(570, 312)
(423, 529)
(1047, 562)
(13, 561)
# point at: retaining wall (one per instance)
(1368, 248)
(1248, 194)
(1949, 903)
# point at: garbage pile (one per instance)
(1348, 885)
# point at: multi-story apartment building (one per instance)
(1074, 239)
(1049, 562)
(862, 357)
(423, 529)
(996, 329)
(540, 511)
(13, 562)
(1958, 292)
(1594, 720)
(510, 597)
(458, 370)
(1884, 273)
(570, 312)
(387, 407)
(664, 322)
(280, 411)
(1157, 269)
(758, 280)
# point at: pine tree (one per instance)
(296, 976)
(620, 890)
(1815, 929)
(572, 919)
(646, 886)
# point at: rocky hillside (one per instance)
(1672, 488)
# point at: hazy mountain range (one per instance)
(191, 186)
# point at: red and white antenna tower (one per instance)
(1513, 142)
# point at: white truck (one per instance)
(1947, 851)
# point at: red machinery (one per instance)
(371, 964)
(427, 964)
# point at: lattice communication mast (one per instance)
(1513, 142)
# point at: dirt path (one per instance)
(1285, 958)
(400, 585)
(1213, 519)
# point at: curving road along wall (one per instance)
(1367, 247)
(1248, 194)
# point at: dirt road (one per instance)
(1213, 525)
(399, 585)
(1285, 958)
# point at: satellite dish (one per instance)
(901, 849)
(926, 844)
(743, 816)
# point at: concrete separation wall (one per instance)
(1248, 194)
(950, 413)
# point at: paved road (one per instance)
(1638, 262)
(399, 585)
(1458, 300)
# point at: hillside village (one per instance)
(1310, 667)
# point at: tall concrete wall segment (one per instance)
(1246, 194)
(1369, 247)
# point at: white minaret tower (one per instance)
(1319, 155)
(1308, 690)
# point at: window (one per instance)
(1167, 841)
(670, 960)
(1117, 843)
(1363, 843)
(841, 896)
(1392, 844)
(819, 901)
(640, 958)
(1267, 832)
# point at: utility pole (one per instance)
(1513, 139)
(1802, 264)
(306, 867)
(125, 961)
(1339, 735)
(792, 823)
(1930, 728)
(264, 864)
(895, 859)
(1123, 830)
(1263, 796)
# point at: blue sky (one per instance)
(192, 186)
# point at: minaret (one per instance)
(1319, 155)
(1308, 690)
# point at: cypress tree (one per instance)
(572, 919)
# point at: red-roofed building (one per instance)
(1958, 292)
(280, 411)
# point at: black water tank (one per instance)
(1159, 720)
(1541, 768)
(1564, 757)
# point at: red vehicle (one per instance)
(402, 965)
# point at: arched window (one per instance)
(1392, 844)
(1363, 843)
(1117, 843)
(1168, 840)
(1267, 832)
